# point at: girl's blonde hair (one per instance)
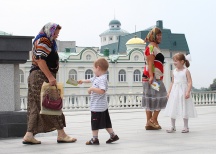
(181, 56)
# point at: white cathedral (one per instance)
(124, 52)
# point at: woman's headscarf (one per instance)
(48, 31)
(151, 37)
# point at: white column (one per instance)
(129, 78)
(10, 87)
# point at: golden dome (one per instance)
(135, 40)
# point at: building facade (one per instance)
(125, 57)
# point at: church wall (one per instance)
(126, 63)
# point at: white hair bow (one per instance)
(188, 57)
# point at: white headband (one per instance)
(188, 57)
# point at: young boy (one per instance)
(100, 118)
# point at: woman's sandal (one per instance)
(171, 130)
(157, 125)
(150, 128)
(185, 130)
(153, 124)
(31, 141)
(66, 139)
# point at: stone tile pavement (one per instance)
(134, 139)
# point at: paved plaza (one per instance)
(129, 124)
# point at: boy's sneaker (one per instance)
(93, 142)
(113, 139)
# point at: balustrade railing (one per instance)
(122, 101)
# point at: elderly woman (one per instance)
(45, 64)
(153, 100)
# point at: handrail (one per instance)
(121, 101)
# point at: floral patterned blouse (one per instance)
(158, 62)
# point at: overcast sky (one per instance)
(84, 20)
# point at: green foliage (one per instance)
(201, 89)
(213, 85)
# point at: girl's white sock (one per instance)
(173, 122)
(185, 123)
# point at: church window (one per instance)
(122, 76)
(73, 74)
(137, 76)
(136, 58)
(88, 74)
(21, 74)
(88, 57)
(107, 75)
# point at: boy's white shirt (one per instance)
(98, 102)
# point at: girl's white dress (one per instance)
(177, 105)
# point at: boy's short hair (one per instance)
(102, 63)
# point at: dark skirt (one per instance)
(39, 123)
(100, 120)
(152, 99)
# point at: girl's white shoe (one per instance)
(171, 130)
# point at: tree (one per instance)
(213, 85)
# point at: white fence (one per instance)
(122, 101)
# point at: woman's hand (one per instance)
(151, 80)
(52, 81)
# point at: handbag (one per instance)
(52, 99)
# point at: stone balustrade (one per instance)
(122, 101)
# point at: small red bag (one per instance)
(54, 103)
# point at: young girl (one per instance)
(180, 103)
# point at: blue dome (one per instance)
(114, 22)
(114, 32)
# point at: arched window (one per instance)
(122, 76)
(21, 74)
(88, 57)
(73, 74)
(136, 76)
(88, 74)
(107, 75)
(136, 58)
